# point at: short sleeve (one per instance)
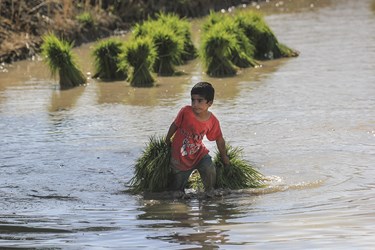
(179, 118)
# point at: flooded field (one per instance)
(307, 122)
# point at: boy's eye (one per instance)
(198, 100)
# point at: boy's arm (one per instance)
(171, 131)
(220, 143)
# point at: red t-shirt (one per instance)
(187, 146)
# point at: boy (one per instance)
(188, 129)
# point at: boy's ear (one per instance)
(210, 103)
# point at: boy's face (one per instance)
(199, 104)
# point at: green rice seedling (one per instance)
(153, 174)
(167, 44)
(140, 55)
(106, 57)
(216, 50)
(243, 54)
(182, 28)
(258, 32)
(168, 48)
(152, 171)
(285, 51)
(61, 61)
(212, 19)
(143, 29)
(264, 40)
(239, 175)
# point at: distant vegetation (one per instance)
(157, 45)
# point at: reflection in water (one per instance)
(66, 99)
(62, 102)
(170, 89)
(166, 90)
(190, 222)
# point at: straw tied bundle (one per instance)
(153, 174)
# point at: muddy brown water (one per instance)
(307, 122)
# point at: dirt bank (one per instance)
(22, 23)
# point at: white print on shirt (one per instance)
(189, 148)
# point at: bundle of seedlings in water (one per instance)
(169, 45)
(168, 49)
(106, 56)
(152, 171)
(212, 19)
(140, 54)
(243, 54)
(61, 61)
(153, 174)
(216, 50)
(264, 40)
(182, 28)
(239, 174)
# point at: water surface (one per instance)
(307, 122)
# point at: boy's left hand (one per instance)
(225, 161)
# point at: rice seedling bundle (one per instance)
(171, 36)
(152, 171)
(239, 175)
(61, 61)
(106, 56)
(140, 54)
(261, 35)
(217, 46)
(142, 29)
(182, 28)
(212, 19)
(168, 47)
(243, 54)
(153, 174)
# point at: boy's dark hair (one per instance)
(205, 90)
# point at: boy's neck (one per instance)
(203, 116)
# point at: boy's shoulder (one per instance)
(186, 108)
